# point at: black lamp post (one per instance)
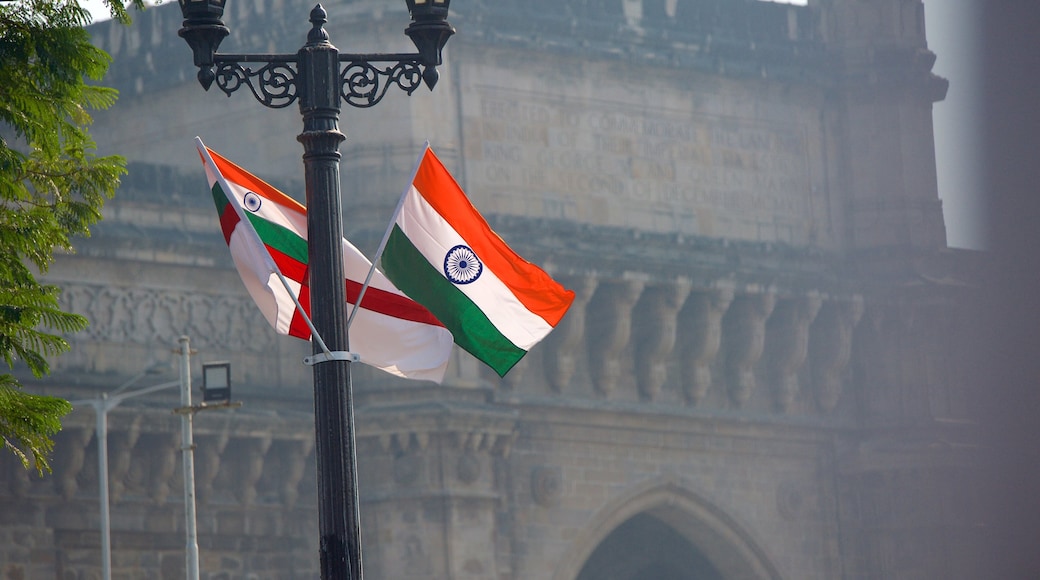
(319, 76)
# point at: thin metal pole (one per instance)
(101, 415)
(339, 525)
(191, 548)
(102, 405)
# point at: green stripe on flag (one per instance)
(415, 276)
(271, 234)
(279, 238)
(219, 199)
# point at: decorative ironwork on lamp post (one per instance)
(320, 78)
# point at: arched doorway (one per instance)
(662, 530)
(645, 548)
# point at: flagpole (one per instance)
(386, 234)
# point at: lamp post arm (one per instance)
(102, 405)
(106, 402)
(114, 401)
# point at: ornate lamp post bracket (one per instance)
(364, 78)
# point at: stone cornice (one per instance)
(743, 39)
(622, 253)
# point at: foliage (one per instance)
(52, 189)
(28, 421)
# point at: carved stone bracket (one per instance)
(404, 442)
(788, 344)
(432, 449)
(831, 348)
(609, 330)
(208, 452)
(164, 463)
(411, 429)
(251, 453)
(745, 339)
(655, 336)
(294, 454)
(702, 323)
(563, 343)
(120, 453)
(68, 460)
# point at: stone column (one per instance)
(886, 100)
(430, 489)
(912, 509)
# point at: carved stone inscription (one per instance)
(655, 170)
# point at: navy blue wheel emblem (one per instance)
(461, 265)
(251, 202)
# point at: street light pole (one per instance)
(314, 76)
(108, 401)
(191, 548)
(102, 405)
(101, 432)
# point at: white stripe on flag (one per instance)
(433, 236)
(269, 294)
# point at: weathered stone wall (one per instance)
(692, 121)
(760, 358)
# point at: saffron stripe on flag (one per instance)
(235, 174)
(472, 330)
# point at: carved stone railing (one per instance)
(717, 345)
(253, 460)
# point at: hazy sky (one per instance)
(951, 36)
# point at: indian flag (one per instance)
(442, 253)
(266, 232)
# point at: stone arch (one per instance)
(720, 539)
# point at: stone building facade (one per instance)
(759, 378)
